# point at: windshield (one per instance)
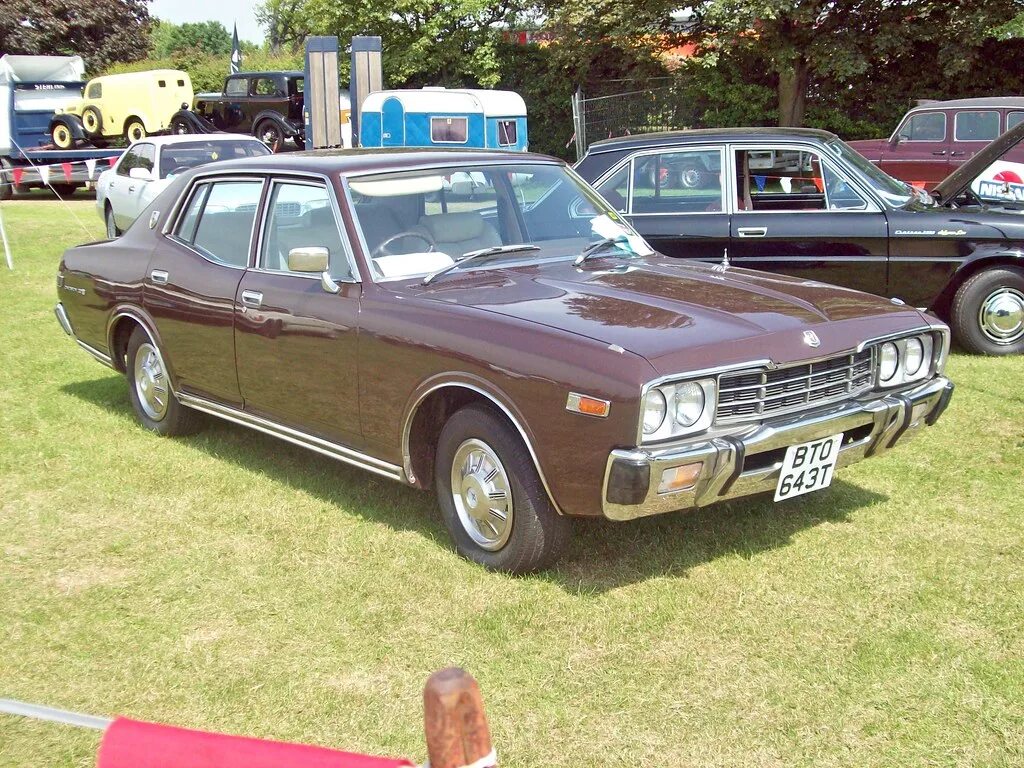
(893, 191)
(416, 223)
(181, 156)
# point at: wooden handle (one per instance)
(454, 720)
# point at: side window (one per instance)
(162, 83)
(925, 126)
(301, 216)
(130, 160)
(615, 189)
(976, 126)
(841, 196)
(264, 86)
(507, 133)
(237, 86)
(688, 181)
(95, 91)
(1013, 119)
(779, 180)
(449, 130)
(224, 229)
(186, 229)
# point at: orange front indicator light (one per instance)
(590, 406)
(680, 478)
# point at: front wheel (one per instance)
(492, 500)
(988, 312)
(62, 136)
(108, 218)
(134, 129)
(149, 388)
(180, 128)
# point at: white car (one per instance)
(149, 165)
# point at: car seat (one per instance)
(459, 233)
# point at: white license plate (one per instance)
(808, 467)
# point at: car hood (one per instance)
(951, 186)
(680, 316)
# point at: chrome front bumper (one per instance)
(749, 462)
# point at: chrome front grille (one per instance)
(753, 394)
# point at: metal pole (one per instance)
(53, 715)
(7, 247)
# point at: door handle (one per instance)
(252, 299)
(957, 154)
(752, 231)
(131, 188)
(159, 276)
(940, 152)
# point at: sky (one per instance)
(227, 12)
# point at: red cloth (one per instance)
(134, 744)
(66, 167)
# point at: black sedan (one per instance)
(802, 202)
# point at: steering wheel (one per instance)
(381, 250)
(179, 169)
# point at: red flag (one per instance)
(17, 173)
(111, 160)
(67, 170)
(134, 744)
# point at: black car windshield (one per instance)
(416, 223)
(896, 193)
(179, 157)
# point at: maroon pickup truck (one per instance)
(520, 350)
(937, 137)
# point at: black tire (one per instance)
(537, 535)
(300, 141)
(998, 295)
(270, 133)
(6, 180)
(108, 219)
(64, 190)
(180, 127)
(174, 419)
(92, 122)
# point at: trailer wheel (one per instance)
(62, 136)
(92, 121)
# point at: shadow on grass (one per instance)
(604, 555)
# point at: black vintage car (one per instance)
(802, 202)
(266, 104)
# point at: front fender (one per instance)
(196, 123)
(72, 122)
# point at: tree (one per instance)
(206, 36)
(101, 31)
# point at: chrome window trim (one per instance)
(336, 213)
(924, 111)
(982, 110)
(771, 365)
(457, 383)
(676, 150)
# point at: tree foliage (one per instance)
(101, 31)
(207, 36)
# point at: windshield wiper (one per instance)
(470, 255)
(594, 247)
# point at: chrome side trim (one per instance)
(62, 318)
(105, 359)
(459, 384)
(297, 437)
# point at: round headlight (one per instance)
(889, 360)
(688, 404)
(915, 356)
(654, 411)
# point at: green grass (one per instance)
(231, 582)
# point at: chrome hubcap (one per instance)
(690, 178)
(1001, 316)
(151, 381)
(482, 495)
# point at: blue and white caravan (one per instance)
(443, 117)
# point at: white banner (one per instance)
(44, 173)
(90, 166)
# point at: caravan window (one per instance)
(507, 133)
(449, 130)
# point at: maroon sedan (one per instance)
(519, 349)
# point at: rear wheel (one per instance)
(149, 388)
(62, 136)
(988, 312)
(64, 190)
(134, 129)
(492, 500)
(269, 133)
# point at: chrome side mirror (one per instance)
(328, 283)
(308, 259)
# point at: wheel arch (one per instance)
(1003, 257)
(72, 122)
(122, 324)
(129, 119)
(271, 114)
(432, 405)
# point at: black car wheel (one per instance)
(149, 388)
(270, 133)
(180, 128)
(988, 312)
(64, 190)
(492, 499)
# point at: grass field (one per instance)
(231, 582)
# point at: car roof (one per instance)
(994, 102)
(358, 161)
(706, 134)
(271, 73)
(163, 141)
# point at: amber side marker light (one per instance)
(591, 406)
(680, 478)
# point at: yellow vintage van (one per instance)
(132, 105)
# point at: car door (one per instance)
(920, 154)
(797, 213)
(295, 342)
(192, 283)
(675, 198)
(125, 193)
(267, 92)
(234, 108)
